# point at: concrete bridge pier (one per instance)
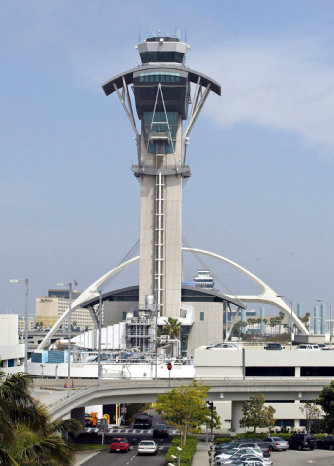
(79, 415)
(236, 416)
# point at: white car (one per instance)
(305, 346)
(241, 451)
(235, 459)
(147, 447)
(218, 346)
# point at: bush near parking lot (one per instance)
(187, 453)
(262, 435)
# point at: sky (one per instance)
(261, 155)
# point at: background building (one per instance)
(11, 352)
(50, 308)
(21, 322)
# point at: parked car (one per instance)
(305, 346)
(147, 447)
(120, 444)
(241, 459)
(250, 462)
(229, 346)
(240, 451)
(274, 346)
(301, 441)
(326, 442)
(160, 430)
(276, 443)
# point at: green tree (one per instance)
(265, 321)
(28, 437)
(312, 413)
(186, 409)
(326, 401)
(280, 319)
(172, 328)
(255, 414)
(306, 319)
(272, 323)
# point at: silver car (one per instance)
(240, 458)
(147, 447)
(276, 443)
(219, 459)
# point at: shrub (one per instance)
(187, 452)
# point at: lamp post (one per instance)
(281, 296)
(210, 403)
(330, 318)
(99, 340)
(69, 334)
(179, 449)
(26, 307)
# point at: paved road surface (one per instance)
(303, 458)
(128, 459)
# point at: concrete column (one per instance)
(316, 321)
(79, 415)
(244, 319)
(297, 371)
(299, 314)
(262, 326)
(236, 416)
(322, 319)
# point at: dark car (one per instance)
(274, 346)
(160, 430)
(301, 441)
(326, 442)
(142, 421)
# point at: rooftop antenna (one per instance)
(178, 33)
(158, 32)
(185, 36)
(139, 36)
(146, 31)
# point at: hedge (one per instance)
(187, 452)
(261, 435)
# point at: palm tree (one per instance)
(28, 436)
(272, 323)
(172, 328)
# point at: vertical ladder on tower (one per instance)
(159, 241)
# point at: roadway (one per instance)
(123, 459)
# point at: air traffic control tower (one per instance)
(167, 112)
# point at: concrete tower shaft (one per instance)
(162, 94)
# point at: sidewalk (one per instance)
(201, 457)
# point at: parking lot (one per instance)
(303, 458)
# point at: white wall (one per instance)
(9, 329)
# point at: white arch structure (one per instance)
(266, 296)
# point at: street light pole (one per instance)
(330, 318)
(210, 403)
(99, 342)
(99, 339)
(69, 335)
(26, 317)
(281, 296)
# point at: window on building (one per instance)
(124, 315)
(272, 371)
(327, 371)
(285, 423)
(201, 316)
